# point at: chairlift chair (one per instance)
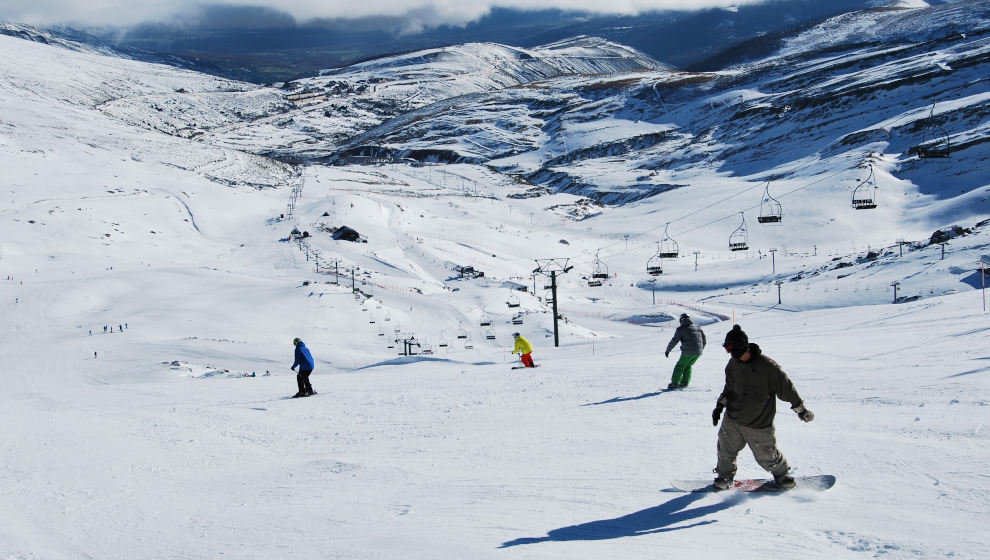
(486, 321)
(461, 332)
(739, 240)
(600, 271)
(668, 247)
(512, 301)
(490, 334)
(469, 342)
(594, 282)
(517, 319)
(654, 266)
(864, 195)
(935, 141)
(770, 210)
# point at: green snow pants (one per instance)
(682, 370)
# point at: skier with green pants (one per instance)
(693, 341)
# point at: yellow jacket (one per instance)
(522, 346)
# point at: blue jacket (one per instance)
(303, 358)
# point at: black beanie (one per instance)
(736, 338)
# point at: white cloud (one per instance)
(127, 12)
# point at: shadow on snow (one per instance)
(624, 399)
(671, 516)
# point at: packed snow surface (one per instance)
(151, 286)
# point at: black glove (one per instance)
(666, 354)
(717, 414)
(803, 413)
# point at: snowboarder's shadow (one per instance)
(657, 519)
(624, 399)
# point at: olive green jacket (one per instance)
(752, 389)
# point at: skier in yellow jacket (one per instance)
(524, 349)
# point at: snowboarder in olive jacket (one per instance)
(304, 361)
(753, 383)
(693, 341)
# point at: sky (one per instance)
(455, 12)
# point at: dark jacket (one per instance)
(691, 337)
(303, 358)
(752, 389)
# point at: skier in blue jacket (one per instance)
(304, 361)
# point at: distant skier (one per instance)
(753, 383)
(524, 349)
(693, 341)
(304, 360)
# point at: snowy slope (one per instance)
(168, 440)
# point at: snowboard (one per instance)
(818, 483)
(301, 396)
(524, 367)
(666, 389)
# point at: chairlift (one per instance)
(517, 319)
(770, 210)
(461, 332)
(512, 301)
(469, 342)
(934, 141)
(863, 198)
(668, 247)
(600, 271)
(388, 316)
(486, 321)
(490, 334)
(594, 282)
(654, 266)
(739, 240)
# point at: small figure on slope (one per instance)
(693, 341)
(304, 361)
(753, 383)
(524, 349)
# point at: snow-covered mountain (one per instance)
(161, 244)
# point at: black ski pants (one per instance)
(302, 379)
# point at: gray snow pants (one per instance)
(732, 437)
